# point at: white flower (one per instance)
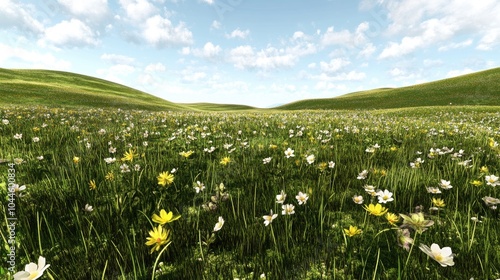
(288, 209)
(109, 160)
(491, 201)
(269, 218)
(219, 224)
(492, 180)
(289, 153)
(280, 198)
(443, 256)
(199, 187)
(384, 196)
(362, 175)
(445, 185)
(5, 121)
(124, 168)
(39, 157)
(35, 139)
(433, 190)
(370, 190)
(88, 208)
(358, 199)
(18, 136)
(302, 198)
(32, 271)
(331, 164)
(112, 150)
(310, 159)
(267, 160)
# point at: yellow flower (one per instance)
(477, 183)
(165, 217)
(392, 218)
(438, 202)
(393, 148)
(322, 166)
(376, 210)
(165, 178)
(157, 238)
(273, 147)
(484, 169)
(129, 155)
(186, 154)
(352, 231)
(110, 176)
(76, 160)
(225, 160)
(92, 185)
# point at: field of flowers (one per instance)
(115, 194)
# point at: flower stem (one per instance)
(157, 259)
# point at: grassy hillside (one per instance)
(480, 88)
(56, 88)
(218, 107)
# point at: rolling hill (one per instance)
(480, 88)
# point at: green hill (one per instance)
(480, 88)
(63, 89)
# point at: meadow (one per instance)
(252, 195)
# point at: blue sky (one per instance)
(254, 52)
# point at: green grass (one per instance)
(109, 242)
(480, 88)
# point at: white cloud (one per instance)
(237, 33)
(92, 9)
(25, 58)
(117, 59)
(73, 33)
(209, 51)
(138, 10)
(244, 57)
(209, 2)
(191, 76)
(118, 73)
(367, 51)
(20, 16)
(160, 32)
(345, 37)
(215, 25)
(462, 44)
(155, 67)
(490, 39)
(334, 65)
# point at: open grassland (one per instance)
(70, 90)
(480, 88)
(353, 195)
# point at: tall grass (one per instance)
(109, 242)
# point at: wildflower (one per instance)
(376, 210)
(124, 168)
(110, 176)
(269, 218)
(404, 239)
(331, 164)
(370, 190)
(492, 180)
(491, 201)
(164, 217)
(322, 166)
(477, 183)
(5, 122)
(32, 270)
(288, 209)
(18, 161)
(280, 198)
(219, 224)
(17, 188)
(392, 218)
(165, 178)
(225, 160)
(393, 148)
(110, 160)
(129, 155)
(384, 196)
(358, 199)
(484, 169)
(438, 202)
(39, 157)
(289, 153)
(443, 256)
(445, 185)
(267, 160)
(352, 231)
(433, 190)
(35, 139)
(137, 167)
(88, 208)
(362, 175)
(302, 198)
(416, 221)
(186, 154)
(18, 136)
(310, 159)
(157, 238)
(199, 186)
(417, 163)
(92, 185)
(76, 160)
